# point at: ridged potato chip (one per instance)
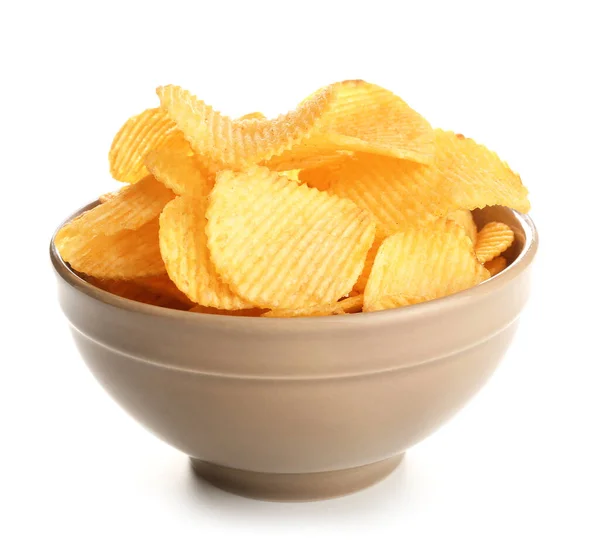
(250, 312)
(279, 244)
(139, 291)
(492, 240)
(238, 143)
(183, 174)
(347, 305)
(423, 263)
(496, 265)
(128, 209)
(303, 156)
(395, 301)
(108, 196)
(125, 255)
(145, 132)
(370, 119)
(185, 252)
(464, 217)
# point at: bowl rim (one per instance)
(452, 301)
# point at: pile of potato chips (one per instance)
(351, 202)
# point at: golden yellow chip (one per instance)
(423, 262)
(347, 305)
(250, 312)
(283, 245)
(183, 174)
(320, 177)
(492, 240)
(464, 217)
(370, 119)
(184, 250)
(129, 209)
(475, 177)
(108, 196)
(148, 131)
(397, 193)
(125, 255)
(496, 265)
(238, 143)
(306, 156)
(253, 116)
(395, 301)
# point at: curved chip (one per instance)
(239, 143)
(183, 174)
(303, 156)
(125, 255)
(423, 263)
(464, 217)
(128, 209)
(186, 256)
(145, 132)
(492, 240)
(283, 245)
(250, 312)
(496, 265)
(347, 305)
(395, 301)
(370, 119)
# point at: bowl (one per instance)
(305, 408)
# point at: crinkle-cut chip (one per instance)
(361, 283)
(162, 284)
(428, 261)
(473, 177)
(367, 118)
(137, 290)
(464, 217)
(187, 259)
(125, 255)
(279, 244)
(108, 196)
(397, 193)
(320, 177)
(306, 155)
(239, 143)
(394, 301)
(145, 132)
(492, 240)
(253, 116)
(496, 265)
(129, 209)
(183, 174)
(347, 305)
(250, 312)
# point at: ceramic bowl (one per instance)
(306, 408)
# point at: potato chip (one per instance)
(321, 177)
(395, 301)
(464, 217)
(304, 156)
(250, 312)
(108, 196)
(347, 305)
(183, 174)
(129, 209)
(496, 265)
(283, 245)
(253, 116)
(238, 143)
(397, 193)
(475, 177)
(492, 240)
(125, 255)
(148, 131)
(423, 262)
(370, 119)
(187, 259)
(137, 291)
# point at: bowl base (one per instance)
(295, 487)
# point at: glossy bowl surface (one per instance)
(305, 408)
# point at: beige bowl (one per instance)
(299, 409)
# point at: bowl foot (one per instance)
(295, 487)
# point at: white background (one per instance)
(516, 473)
